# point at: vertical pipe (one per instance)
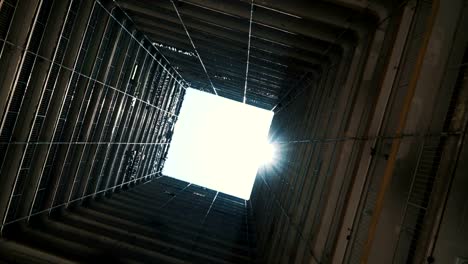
(390, 167)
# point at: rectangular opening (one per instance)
(219, 143)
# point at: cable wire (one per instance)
(193, 45)
(248, 52)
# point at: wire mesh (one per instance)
(104, 113)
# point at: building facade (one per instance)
(370, 122)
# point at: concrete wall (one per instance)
(87, 105)
(163, 221)
(360, 169)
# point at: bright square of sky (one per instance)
(218, 143)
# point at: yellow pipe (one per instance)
(389, 169)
